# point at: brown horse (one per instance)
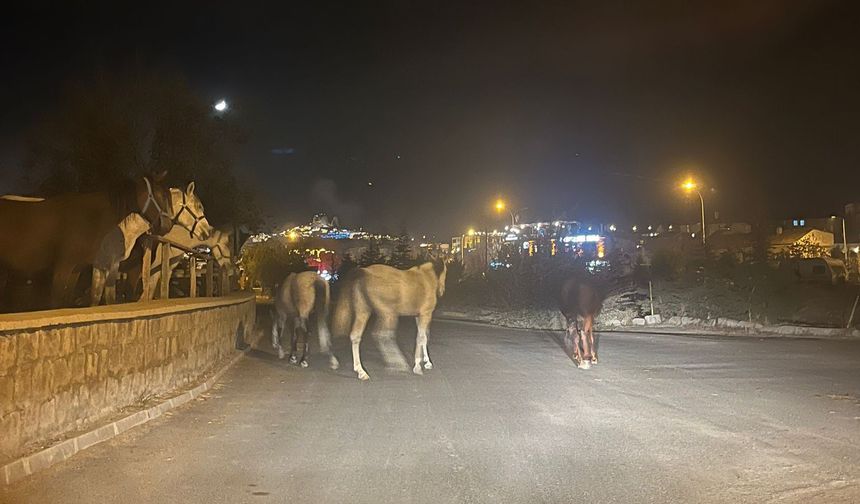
(62, 233)
(581, 298)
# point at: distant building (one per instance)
(800, 242)
(479, 249)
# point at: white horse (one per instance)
(185, 210)
(390, 293)
(218, 242)
(297, 296)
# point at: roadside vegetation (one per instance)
(762, 292)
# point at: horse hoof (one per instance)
(304, 363)
(281, 354)
(333, 363)
(363, 376)
(417, 369)
(428, 365)
(594, 360)
(584, 365)
(293, 359)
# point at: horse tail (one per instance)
(322, 302)
(344, 308)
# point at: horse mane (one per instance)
(123, 196)
(438, 266)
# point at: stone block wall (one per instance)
(64, 370)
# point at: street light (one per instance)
(501, 206)
(691, 186)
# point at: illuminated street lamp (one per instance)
(690, 186)
(501, 206)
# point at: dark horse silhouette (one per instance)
(581, 298)
(56, 236)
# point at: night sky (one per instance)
(572, 109)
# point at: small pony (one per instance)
(295, 299)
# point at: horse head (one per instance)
(187, 211)
(153, 202)
(221, 250)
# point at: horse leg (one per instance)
(385, 337)
(293, 338)
(278, 323)
(586, 345)
(110, 284)
(300, 332)
(589, 334)
(60, 288)
(355, 337)
(572, 335)
(98, 286)
(325, 342)
(573, 330)
(423, 323)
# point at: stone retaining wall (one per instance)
(65, 370)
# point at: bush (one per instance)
(529, 282)
(268, 263)
(666, 264)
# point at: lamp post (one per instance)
(691, 186)
(501, 207)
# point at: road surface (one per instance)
(505, 416)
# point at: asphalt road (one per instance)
(505, 416)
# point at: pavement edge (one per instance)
(25, 466)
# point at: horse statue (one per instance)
(218, 242)
(186, 212)
(390, 293)
(581, 299)
(59, 234)
(297, 296)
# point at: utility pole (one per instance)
(704, 227)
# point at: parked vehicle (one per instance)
(821, 269)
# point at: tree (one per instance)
(402, 257)
(372, 254)
(347, 264)
(802, 249)
(271, 261)
(124, 124)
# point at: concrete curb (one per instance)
(719, 327)
(30, 464)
